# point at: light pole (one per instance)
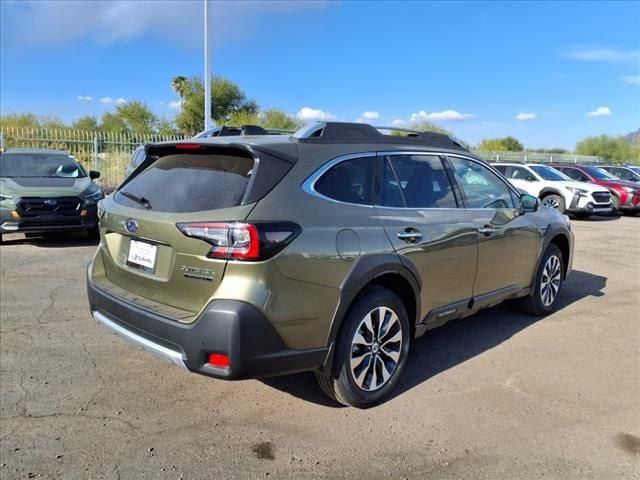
(207, 71)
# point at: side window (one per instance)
(482, 188)
(519, 173)
(575, 174)
(349, 181)
(622, 173)
(415, 181)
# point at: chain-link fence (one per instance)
(109, 153)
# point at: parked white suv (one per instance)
(556, 190)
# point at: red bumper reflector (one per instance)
(219, 360)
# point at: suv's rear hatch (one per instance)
(147, 250)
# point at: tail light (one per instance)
(243, 241)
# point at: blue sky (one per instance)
(548, 73)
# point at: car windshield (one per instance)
(598, 173)
(50, 165)
(549, 173)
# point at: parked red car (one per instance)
(625, 196)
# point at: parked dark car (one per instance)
(46, 191)
(625, 196)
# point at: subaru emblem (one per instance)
(131, 225)
(50, 203)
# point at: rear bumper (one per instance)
(47, 223)
(228, 327)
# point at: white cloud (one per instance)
(609, 55)
(600, 112)
(368, 117)
(84, 98)
(632, 79)
(525, 116)
(175, 105)
(110, 101)
(308, 114)
(398, 122)
(444, 116)
(63, 21)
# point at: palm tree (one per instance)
(179, 85)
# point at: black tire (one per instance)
(615, 203)
(341, 385)
(554, 201)
(537, 303)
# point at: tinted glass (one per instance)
(415, 181)
(482, 188)
(349, 181)
(517, 173)
(598, 173)
(40, 165)
(190, 183)
(549, 173)
(575, 174)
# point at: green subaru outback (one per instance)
(326, 251)
(46, 191)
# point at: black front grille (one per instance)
(33, 207)
(601, 197)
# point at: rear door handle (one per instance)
(487, 230)
(410, 235)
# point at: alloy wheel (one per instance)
(551, 203)
(376, 348)
(551, 278)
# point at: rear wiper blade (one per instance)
(139, 200)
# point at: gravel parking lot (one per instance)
(497, 395)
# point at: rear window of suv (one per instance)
(189, 183)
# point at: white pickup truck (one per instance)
(556, 190)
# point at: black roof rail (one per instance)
(345, 132)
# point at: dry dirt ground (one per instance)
(496, 396)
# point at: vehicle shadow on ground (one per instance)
(454, 343)
(597, 218)
(61, 240)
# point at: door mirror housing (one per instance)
(529, 203)
(93, 174)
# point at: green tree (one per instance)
(279, 119)
(615, 149)
(227, 99)
(131, 118)
(179, 85)
(505, 144)
(167, 127)
(88, 122)
(425, 126)
(22, 120)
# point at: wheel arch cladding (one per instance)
(562, 242)
(385, 270)
(546, 191)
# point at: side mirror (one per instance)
(93, 174)
(531, 178)
(529, 203)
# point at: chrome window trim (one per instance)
(309, 185)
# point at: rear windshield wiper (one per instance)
(139, 200)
